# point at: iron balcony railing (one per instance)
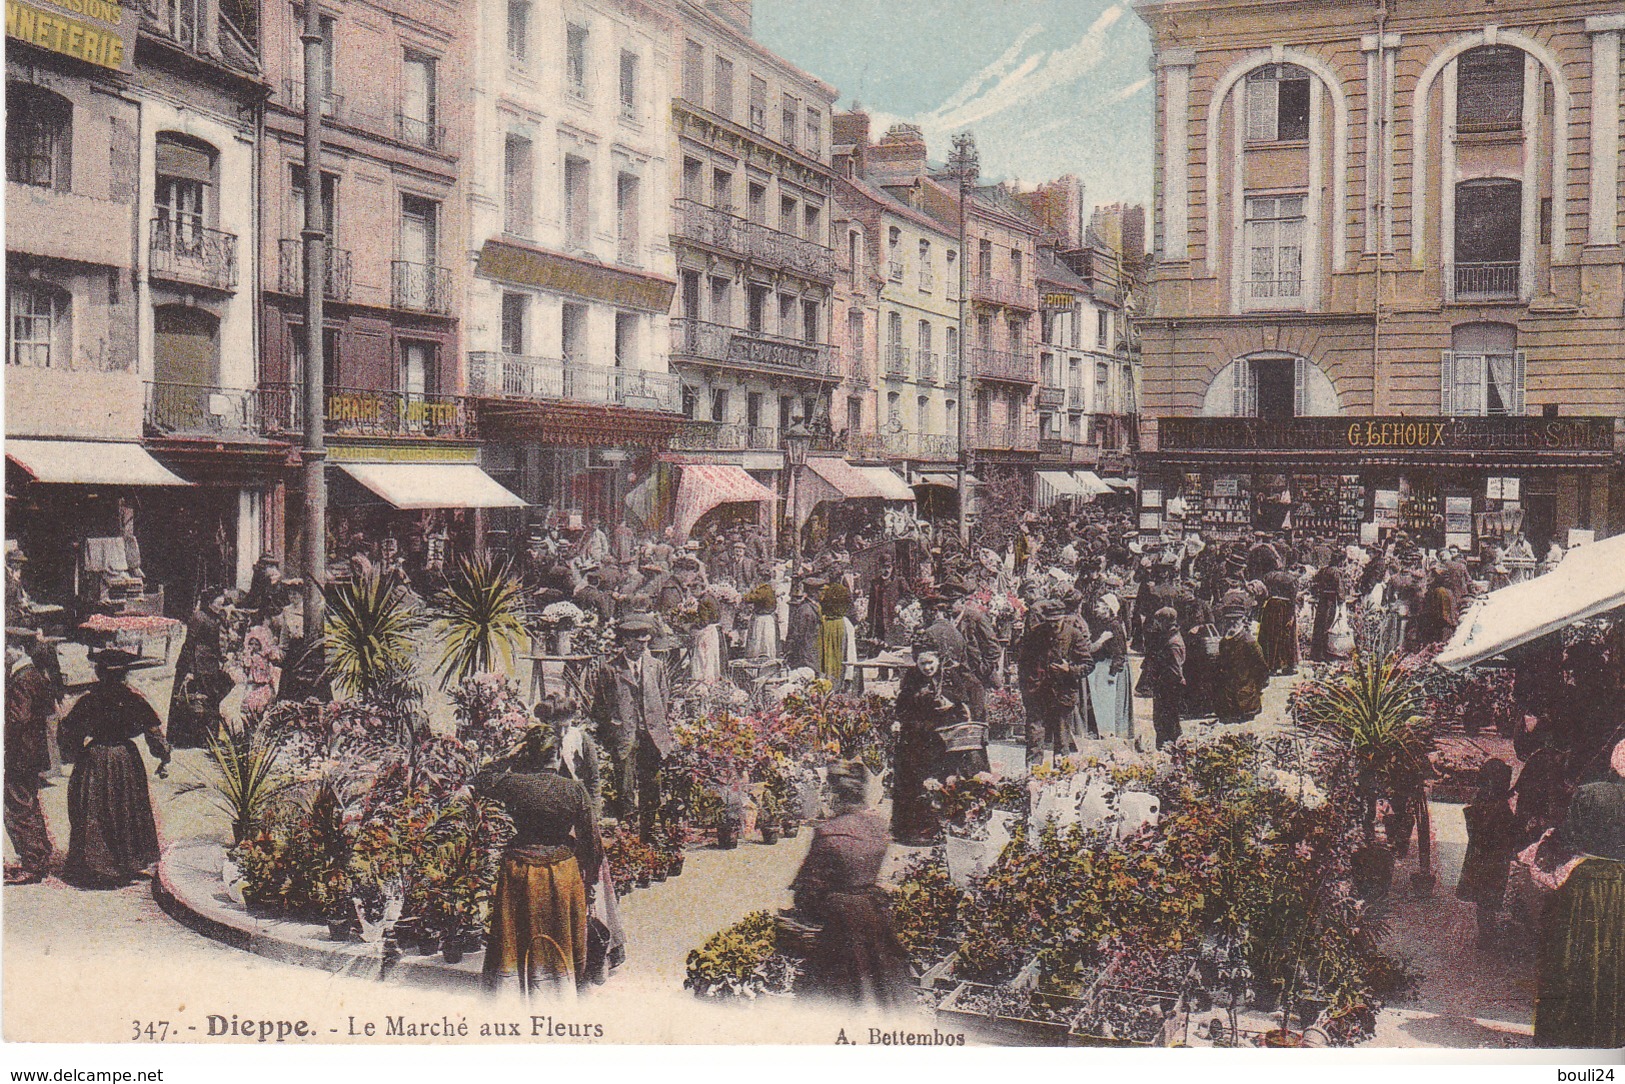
(737, 347)
(293, 94)
(1003, 292)
(1005, 437)
(291, 270)
(183, 251)
(366, 412)
(493, 375)
(420, 287)
(725, 437)
(201, 410)
(754, 241)
(1487, 280)
(911, 445)
(926, 367)
(897, 362)
(419, 132)
(1051, 398)
(1013, 365)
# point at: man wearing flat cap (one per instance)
(630, 692)
(1052, 660)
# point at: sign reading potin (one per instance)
(99, 32)
(1057, 302)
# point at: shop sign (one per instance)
(545, 270)
(99, 32)
(1051, 303)
(402, 453)
(1396, 434)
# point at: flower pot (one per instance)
(428, 944)
(643, 880)
(338, 929)
(770, 836)
(1278, 1038)
(659, 875)
(791, 829)
(563, 640)
(677, 867)
(452, 952)
(727, 837)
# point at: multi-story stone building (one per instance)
(1388, 290)
(750, 337)
(395, 129)
(130, 294)
(568, 326)
(899, 313)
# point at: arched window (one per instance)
(186, 347)
(1277, 104)
(1489, 89)
(38, 325)
(39, 137)
(1268, 385)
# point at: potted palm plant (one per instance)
(479, 620)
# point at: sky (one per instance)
(1048, 87)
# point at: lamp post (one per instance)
(797, 443)
(314, 235)
(965, 162)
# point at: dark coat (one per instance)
(1239, 677)
(982, 647)
(625, 707)
(1163, 671)
(1492, 840)
(113, 834)
(801, 635)
(30, 699)
(1052, 660)
(856, 957)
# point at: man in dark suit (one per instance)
(801, 633)
(630, 692)
(1052, 659)
(30, 699)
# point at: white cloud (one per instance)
(1125, 93)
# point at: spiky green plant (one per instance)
(369, 635)
(1373, 706)
(248, 778)
(479, 619)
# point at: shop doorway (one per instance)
(1540, 521)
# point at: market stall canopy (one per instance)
(705, 486)
(861, 483)
(948, 481)
(1118, 483)
(1589, 581)
(90, 463)
(1090, 483)
(1053, 485)
(432, 485)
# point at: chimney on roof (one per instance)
(901, 149)
(736, 13)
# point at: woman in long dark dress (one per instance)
(1492, 840)
(856, 957)
(930, 696)
(113, 837)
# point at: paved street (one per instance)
(56, 934)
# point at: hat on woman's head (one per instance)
(537, 745)
(1110, 603)
(118, 660)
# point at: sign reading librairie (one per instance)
(100, 32)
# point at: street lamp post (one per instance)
(314, 235)
(965, 163)
(797, 443)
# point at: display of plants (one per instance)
(965, 804)
(925, 905)
(490, 715)
(370, 637)
(741, 961)
(248, 777)
(479, 619)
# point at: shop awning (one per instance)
(949, 481)
(1090, 483)
(1589, 581)
(860, 483)
(705, 486)
(432, 485)
(1053, 485)
(1118, 483)
(90, 463)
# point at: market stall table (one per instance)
(886, 667)
(570, 666)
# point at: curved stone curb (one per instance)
(189, 889)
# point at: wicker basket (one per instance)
(963, 737)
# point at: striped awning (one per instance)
(1090, 483)
(859, 483)
(705, 486)
(1053, 485)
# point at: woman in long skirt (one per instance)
(1111, 694)
(579, 759)
(538, 940)
(113, 836)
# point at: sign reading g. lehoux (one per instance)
(100, 32)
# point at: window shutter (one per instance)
(1238, 388)
(1447, 383)
(1300, 387)
(1261, 110)
(1520, 367)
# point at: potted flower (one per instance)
(561, 619)
(770, 813)
(730, 819)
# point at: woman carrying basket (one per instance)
(935, 739)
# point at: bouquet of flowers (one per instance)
(562, 615)
(724, 594)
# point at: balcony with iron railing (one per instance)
(293, 96)
(185, 252)
(898, 362)
(1000, 436)
(859, 371)
(754, 241)
(927, 366)
(420, 132)
(700, 436)
(291, 270)
(1484, 281)
(1016, 366)
(202, 410)
(420, 287)
(998, 291)
(739, 348)
(363, 412)
(1051, 398)
(934, 447)
(493, 375)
